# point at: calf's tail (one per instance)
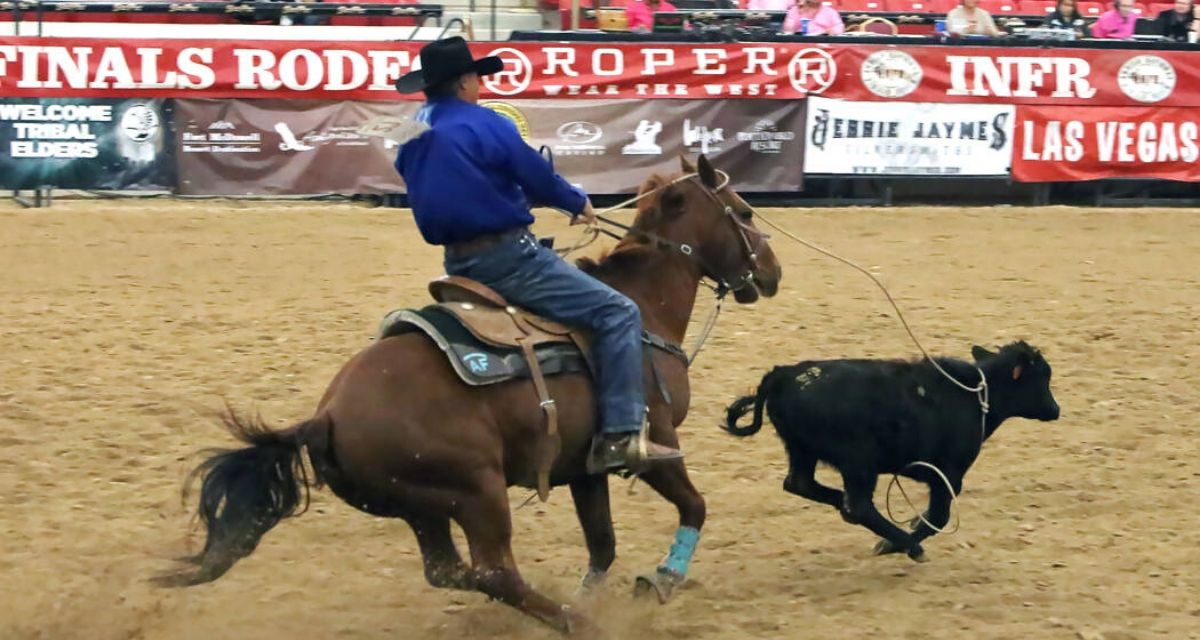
(743, 405)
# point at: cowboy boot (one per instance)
(631, 451)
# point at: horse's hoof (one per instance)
(662, 583)
(919, 557)
(884, 547)
(575, 625)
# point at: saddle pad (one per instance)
(476, 362)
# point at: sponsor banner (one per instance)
(79, 143)
(283, 147)
(242, 147)
(1057, 144)
(1019, 75)
(905, 138)
(367, 70)
(612, 146)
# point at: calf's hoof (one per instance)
(917, 554)
(662, 583)
(592, 581)
(885, 547)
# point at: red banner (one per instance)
(1019, 75)
(40, 67)
(1062, 144)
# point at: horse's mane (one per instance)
(632, 250)
(623, 258)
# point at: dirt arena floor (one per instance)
(125, 323)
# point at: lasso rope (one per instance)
(980, 390)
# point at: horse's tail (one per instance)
(743, 405)
(245, 492)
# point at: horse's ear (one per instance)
(686, 165)
(708, 175)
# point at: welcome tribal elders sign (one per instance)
(860, 138)
(83, 143)
(62, 67)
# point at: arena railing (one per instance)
(907, 22)
(38, 10)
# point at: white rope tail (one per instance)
(397, 130)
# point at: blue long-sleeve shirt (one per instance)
(471, 174)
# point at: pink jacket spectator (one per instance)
(1111, 24)
(768, 5)
(639, 15)
(825, 21)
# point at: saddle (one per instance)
(488, 341)
(491, 319)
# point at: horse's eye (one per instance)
(746, 215)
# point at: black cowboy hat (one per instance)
(445, 59)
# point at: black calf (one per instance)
(868, 417)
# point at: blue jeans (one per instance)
(533, 277)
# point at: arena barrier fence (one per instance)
(274, 117)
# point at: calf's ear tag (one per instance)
(1017, 372)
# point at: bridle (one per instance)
(723, 285)
(750, 249)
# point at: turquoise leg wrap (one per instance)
(682, 551)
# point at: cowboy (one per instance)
(471, 181)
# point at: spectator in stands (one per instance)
(1194, 34)
(1116, 23)
(1176, 23)
(768, 5)
(822, 20)
(639, 14)
(262, 14)
(1066, 16)
(306, 19)
(967, 19)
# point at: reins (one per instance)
(722, 286)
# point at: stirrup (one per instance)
(637, 452)
(637, 456)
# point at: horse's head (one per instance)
(703, 214)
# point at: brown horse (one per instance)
(397, 434)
